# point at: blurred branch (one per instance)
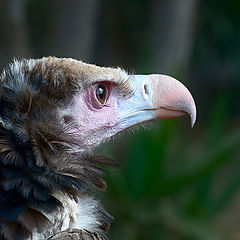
(73, 28)
(14, 34)
(173, 23)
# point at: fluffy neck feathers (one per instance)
(28, 183)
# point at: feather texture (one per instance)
(76, 234)
(39, 158)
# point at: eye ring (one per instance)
(101, 93)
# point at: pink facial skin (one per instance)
(94, 121)
(98, 114)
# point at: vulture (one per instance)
(54, 113)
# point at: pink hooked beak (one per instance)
(157, 97)
(171, 98)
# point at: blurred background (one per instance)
(175, 183)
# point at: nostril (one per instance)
(146, 91)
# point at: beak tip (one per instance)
(192, 122)
(193, 117)
(189, 108)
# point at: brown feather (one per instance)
(32, 218)
(77, 234)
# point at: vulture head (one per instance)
(54, 112)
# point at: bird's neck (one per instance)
(28, 190)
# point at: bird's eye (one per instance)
(101, 93)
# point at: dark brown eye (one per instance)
(101, 93)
